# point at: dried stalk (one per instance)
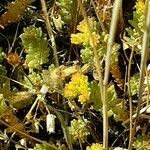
(49, 30)
(113, 25)
(130, 101)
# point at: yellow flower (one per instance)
(80, 38)
(78, 87)
(140, 6)
(83, 27)
(84, 36)
(95, 146)
(94, 40)
(84, 98)
(77, 38)
(70, 91)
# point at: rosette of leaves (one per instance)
(78, 130)
(135, 33)
(83, 38)
(46, 77)
(33, 79)
(36, 47)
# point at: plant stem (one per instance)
(49, 30)
(130, 101)
(145, 49)
(113, 25)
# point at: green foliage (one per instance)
(116, 107)
(86, 54)
(32, 79)
(42, 147)
(112, 96)
(95, 95)
(66, 7)
(47, 77)
(3, 106)
(100, 40)
(134, 84)
(36, 46)
(78, 130)
(138, 17)
(140, 144)
(58, 23)
(135, 33)
(57, 89)
(3, 73)
(48, 147)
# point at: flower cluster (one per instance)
(78, 87)
(84, 37)
(89, 36)
(140, 6)
(78, 130)
(95, 146)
